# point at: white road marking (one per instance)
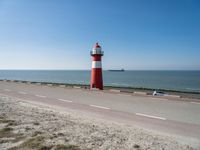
(7, 90)
(124, 95)
(195, 103)
(159, 98)
(99, 107)
(155, 117)
(40, 96)
(22, 92)
(64, 100)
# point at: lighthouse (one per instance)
(96, 73)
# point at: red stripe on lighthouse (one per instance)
(96, 58)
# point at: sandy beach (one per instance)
(24, 125)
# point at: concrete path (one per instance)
(163, 115)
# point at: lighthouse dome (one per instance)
(97, 45)
(97, 50)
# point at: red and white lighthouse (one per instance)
(96, 74)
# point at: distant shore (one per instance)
(148, 91)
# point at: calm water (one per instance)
(174, 80)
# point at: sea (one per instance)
(188, 81)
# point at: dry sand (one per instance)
(32, 126)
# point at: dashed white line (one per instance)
(149, 116)
(7, 90)
(64, 100)
(22, 93)
(195, 103)
(125, 95)
(42, 96)
(99, 107)
(164, 99)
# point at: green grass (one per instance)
(6, 132)
(66, 147)
(36, 133)
(37, 143)
(8, 122)
(136, 146)
(36, 123)
(32, 144)
(1, 117)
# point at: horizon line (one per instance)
(103, 69)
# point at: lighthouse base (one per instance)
(96, 79)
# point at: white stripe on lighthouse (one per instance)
(96, 64)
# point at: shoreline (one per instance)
(140, 90)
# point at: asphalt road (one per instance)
(164, 115)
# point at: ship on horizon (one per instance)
(117, 70)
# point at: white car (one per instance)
(159, 93)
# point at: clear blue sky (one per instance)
(134, 34)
